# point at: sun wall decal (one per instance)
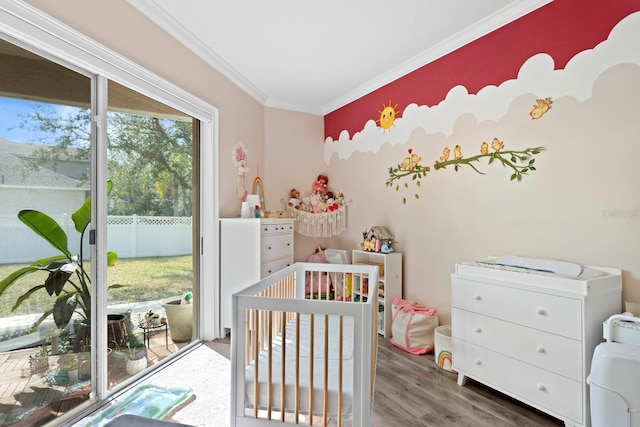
(387, 116)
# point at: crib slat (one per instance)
(297, 390)
(247, 338)
(283, 362)
(256, 355)
(340, 336)
(269, 365)
(312, 352)
(325, 397)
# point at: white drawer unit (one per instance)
(250, 249)
(532, 336)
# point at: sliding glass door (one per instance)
(100, 237)
(150, 227)
(45, 262)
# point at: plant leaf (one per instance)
(58, 276)
(82, 217)
(35, 266)
(26, 295)
(64, 308)
(47, 228)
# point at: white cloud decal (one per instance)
(537, 76)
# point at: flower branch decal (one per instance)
(410, 167)
(521, 162)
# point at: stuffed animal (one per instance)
(294, 200)
(314, 199)
(317, 285)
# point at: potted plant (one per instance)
(136, 360)
(67, 279)
(39, 362)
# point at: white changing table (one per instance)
(531, 336)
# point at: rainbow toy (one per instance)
(444, 360)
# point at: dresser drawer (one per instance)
(276, 246)
(282, 227)
(542, 349)
(550, 313)
(271, 267)
(532, 385)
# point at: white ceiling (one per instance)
(316, 56)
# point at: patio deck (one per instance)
(28, 398)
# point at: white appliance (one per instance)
(615, 375)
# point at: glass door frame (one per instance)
(24, 25)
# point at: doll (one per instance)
(320, 184)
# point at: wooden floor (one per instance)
(412, 391)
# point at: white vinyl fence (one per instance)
(128, 236)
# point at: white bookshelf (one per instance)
(389, 284)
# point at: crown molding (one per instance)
(156, 13)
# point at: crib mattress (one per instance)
(304, 366)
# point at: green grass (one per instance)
(146, 279)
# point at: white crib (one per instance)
(305, 359)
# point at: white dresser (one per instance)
(531, 336)
(250, 249)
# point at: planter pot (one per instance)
(118, 332)
(133, 366)
(179, 318)
(72, 374)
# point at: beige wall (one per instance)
(293, 159)
(581, 205)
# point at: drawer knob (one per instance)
(541, 387)
(269, 248)
(478, 330)
(478, 362)
(288, 244)
(542, 350)
(478, 298)
(541, 312)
